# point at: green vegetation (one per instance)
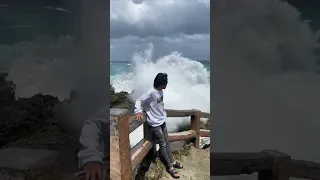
(120, 100)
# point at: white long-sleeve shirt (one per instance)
(152, 103)
(94, 139)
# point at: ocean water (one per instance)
(120, 69)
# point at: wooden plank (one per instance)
(204, 133)
(224, 164)
(183, 113)
(180, 113)
(305, 169)
(120, 154)
(195, 126)
(134, 123)
(266, 174)
(247, 163)
(136, 147)
(140, 154)
(182, 136)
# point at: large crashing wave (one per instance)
(188, 87)
(45, 66)
(56, 67)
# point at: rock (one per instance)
(120, 100)
(29, 122)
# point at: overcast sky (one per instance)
(171, 25)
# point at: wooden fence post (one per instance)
(148, 136)
(195, 126)
(280, 169)
(120, 151)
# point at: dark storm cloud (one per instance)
(170, 25)
(159, 18)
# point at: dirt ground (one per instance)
(196, 166)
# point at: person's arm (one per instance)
(139, 102)
(93, 138)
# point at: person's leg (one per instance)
(163, 151)
(169, 151)
(163, 145)
(168, 147)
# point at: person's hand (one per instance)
(93, 171)
(139, 116)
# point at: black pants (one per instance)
(161, 134)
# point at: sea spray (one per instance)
(54, 67)
(265, 86)
(188, 85)
(42, 66)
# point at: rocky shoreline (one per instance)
(24, 122)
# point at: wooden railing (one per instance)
(123, 159)
(269, 164)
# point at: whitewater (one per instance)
(51, 66)
(188, 85)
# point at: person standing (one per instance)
(152, 103)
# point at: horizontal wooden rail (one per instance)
(134, 123)
(183, 113)
(138, 155)
(238, 163)
(204, 133)
(305, 169)
(182, 136)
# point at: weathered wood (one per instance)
(180, 113)
(183, 113)
(279, 172)
(181, 136)
(140, 153)
(204, 133)
(266, 174)
(281, 168)
(134, 123)
(114, 113)
(120, 154)
(271, 165)
(238, 163)
(195, 126)
(305, 169)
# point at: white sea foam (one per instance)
(188, 87)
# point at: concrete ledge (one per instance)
(28, 164)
